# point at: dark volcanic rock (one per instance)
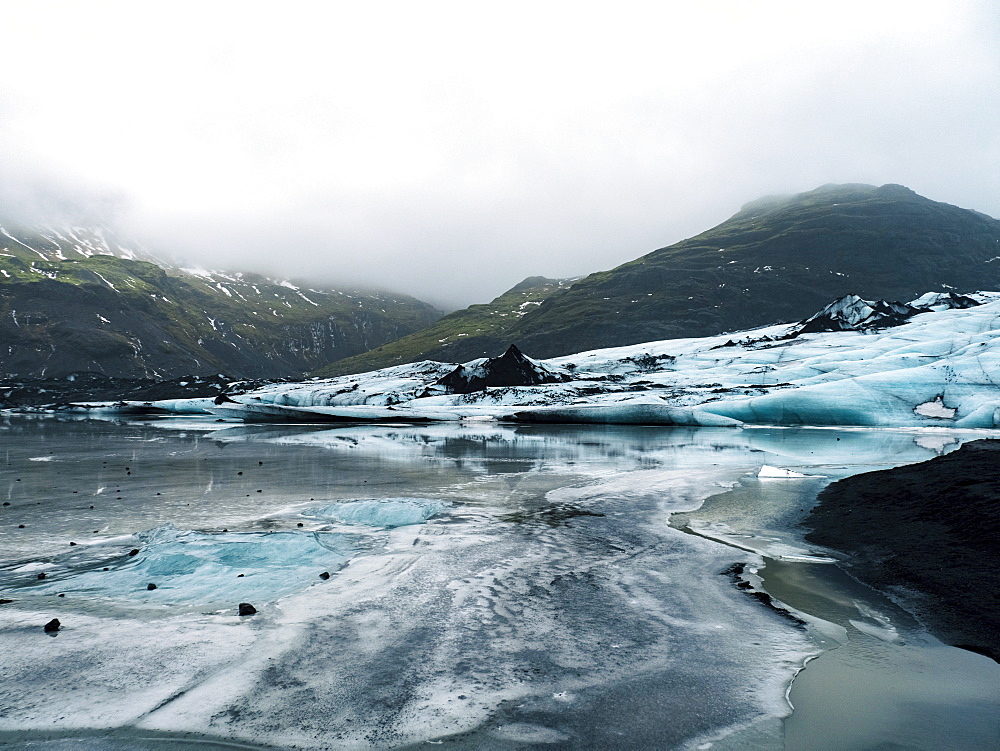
(512, 368)
(851, 313)
(947, 301)
(476, 331)
(928, 530)
(52, 626)
(247, 609)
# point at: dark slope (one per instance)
(71, 302)
(476, 331)
(931, 530)
(778, 259)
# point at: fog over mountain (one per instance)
(448, 151)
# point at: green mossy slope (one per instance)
(131, 318)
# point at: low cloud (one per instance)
(448, 151)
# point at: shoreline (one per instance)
(927, 535)
(868, 637)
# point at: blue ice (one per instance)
(204, 569)
(387, 512)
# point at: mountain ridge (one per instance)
(776, 261)
(779, 258)
(78, 300)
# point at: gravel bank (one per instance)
(930, 534)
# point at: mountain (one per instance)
(79, 300)
(479, 330)
(779, 259)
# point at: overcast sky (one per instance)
(449, 150)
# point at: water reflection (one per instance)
(800, 447)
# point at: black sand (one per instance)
(928, 531)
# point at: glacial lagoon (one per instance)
(487, 586)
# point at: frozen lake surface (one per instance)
(465, 586)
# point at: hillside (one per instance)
(76, 300)
(81, 300)
(477, 331)
(779, 259)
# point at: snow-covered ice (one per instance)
(934, 362)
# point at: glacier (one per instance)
(934, 362)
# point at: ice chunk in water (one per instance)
(767, 471)
(386, 512)
(203, 569)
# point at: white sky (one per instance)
(449, 150)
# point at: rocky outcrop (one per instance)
(511, 368)
(851, 313)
